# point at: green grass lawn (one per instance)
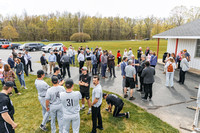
(28, 114)
(116, 45)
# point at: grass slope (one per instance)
(28, 114)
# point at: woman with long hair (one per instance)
(9, 75)
(153, 60)
(170, 68)
(20, 72)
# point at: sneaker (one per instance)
(25, 88)
(144, 99)
(82, 108)
(139, 90)
(125, 96)
(127, 115)
(43, 128)
(100, 128)
(89, 112)
(19, 93)
(132, 98)
(22, 86)
(149, 99)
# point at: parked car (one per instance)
(45, 40)
(21, 47)
(15, 45)
(146, 39)
(33, 46)
(5, 46)
(52, 46)
(4, 43)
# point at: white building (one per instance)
(187, 37)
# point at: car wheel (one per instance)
(34, 49)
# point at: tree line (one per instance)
(60, 26)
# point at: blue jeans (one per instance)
(94, 69)
(169, 79)
(103, 69)
(21, 79)
(73, 58)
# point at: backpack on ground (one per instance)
(170, 68)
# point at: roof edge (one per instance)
(179, 37)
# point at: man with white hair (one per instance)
(139, 53)
(28, 57)
(135, 64)
(81, 60)
(130, 79)
(11, 62)
(44, 63)
(52, 61)
(70, 53)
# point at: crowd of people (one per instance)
(62, 102)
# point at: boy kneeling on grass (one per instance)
(111, 100)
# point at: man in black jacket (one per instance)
(148, 80)
(139, 70)
(24, 61)
(44, 63)
(111, 100)
(59, 56)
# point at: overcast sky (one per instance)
(122, 8)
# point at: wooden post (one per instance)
(158, 47)
(176, 47)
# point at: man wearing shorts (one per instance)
(130, 79)
(84, 82)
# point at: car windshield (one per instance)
(51, 44)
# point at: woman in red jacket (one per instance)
(119, 58)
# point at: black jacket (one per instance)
(43, 60)
(58, 58)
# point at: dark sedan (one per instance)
(14, 45)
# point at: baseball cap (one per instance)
(54, 79)
(104, 94)
(56, 69)
(69, 83)
(40, 72)
(184, 50)
(19, 53)
(84, 68)
(9, 84)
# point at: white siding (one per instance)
(190, 45)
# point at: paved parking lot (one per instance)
(167, 104)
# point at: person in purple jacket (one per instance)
(153, 60)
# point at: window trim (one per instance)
(197, 49)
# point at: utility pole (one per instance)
(79, 17)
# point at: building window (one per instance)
(198, 48)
